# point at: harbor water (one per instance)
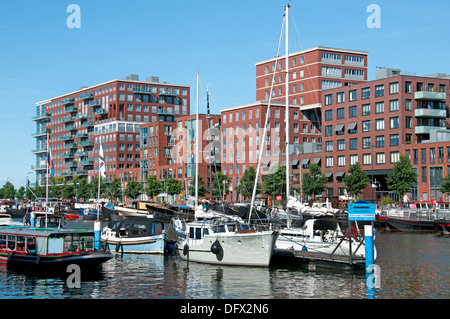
(411, 266)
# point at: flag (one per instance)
(50, 160)
(101, 160)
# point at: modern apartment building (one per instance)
(168, 149)
(372, 122)
(113, 112)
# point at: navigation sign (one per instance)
(361, 211)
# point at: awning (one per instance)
(295, 162)
(340, 174)
(265, 164)
(339, 127)
(351, 126)
(316, 160)
(328, 174)
(305, 161)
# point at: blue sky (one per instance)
(40, 57)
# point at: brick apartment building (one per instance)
(373, 122)
(112, 111)
(168, 148)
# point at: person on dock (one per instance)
(28, 217)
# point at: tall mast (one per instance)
(288, 215)
(196, 151)
(208, 127)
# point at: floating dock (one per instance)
(313, 259)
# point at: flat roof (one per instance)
(111, 81)
(258, 103)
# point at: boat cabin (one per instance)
(136, 227)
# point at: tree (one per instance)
(68, 191)
(202, 190)
(314, 182)
(153, 186)
(93, 188)
(275, 183)
(8, 191)
(20, 193)
(83, 190)
(221, 184)
(402, 177)
(115, 188)
(173, 186)
(356, 180)
(247, 183)
(445, 185)
(133, 189)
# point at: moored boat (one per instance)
(419, 216)
(50, 248)
(225, 241)
(135, 235)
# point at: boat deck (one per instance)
(322, 259)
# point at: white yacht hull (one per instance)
(243, 249)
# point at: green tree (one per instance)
(93, 188)
(153, 186)
(445, 185)
(314, 182)
(221, 184)
(356, 180)
(202, 190)
(20, 193)
(8, 191)
(68, 191)
(275, 183)
(115, 188)
(247, 183)
(402, 177)
(133, 189)
(83, 190)
(173, 186)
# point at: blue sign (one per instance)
(361, 211)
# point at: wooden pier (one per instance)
(313, 259)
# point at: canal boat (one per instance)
(50, 248)
(135, 235)
(442, 221)
(224, 241)
(417, 216)
(321, 236)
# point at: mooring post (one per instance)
(368, 238)
(97, 238)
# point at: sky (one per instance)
(42, 57)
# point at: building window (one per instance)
(367, 159)
(407, 87)
(408, 122)
(329, 161)
(394, 140)
(328, 115)
(328, 99)
(424, 174)
(353, 143)
(423, 155)
(329, 146)
(432, 155)
(395, 156)
(353, 95)
(366, 109)
(366, 126)
(341, 160)
(381, 158)
(329, 130)
(393, 88)
(379, 107)
(352, 111)
(340, 97)
(353, 159)
(379, 124)
(366, 93)
(380, 141)
(408, 105)
(394, 122)
(340, 113)
(341, 145)
(393, 105)
(379, 90)
(366, 142)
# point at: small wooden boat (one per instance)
(135, 235)
(50, 248)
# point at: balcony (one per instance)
(88, 124)
(82, 135)
(430, 113)
(67, 174)
(72, 164)
(86, 162)
(142, 91)
(41, 117)
(39, 150)
(81, 153)
(67, 155)
(39, 133)
(426, 129)
(101, 112)
(68, 101)
(95, 103)
(82, 172)
(68, 119)
(86, 96)
(86, 143)
(81, 117)
(166, 93)
(427, 95)
(67, 138)
(71, 145)
(71, 127)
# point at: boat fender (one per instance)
(186, 249)
(38, 260)
(177, 225)
(216, 248)
(304, 248)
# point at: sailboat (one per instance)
(317, 235)
(224, 240)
